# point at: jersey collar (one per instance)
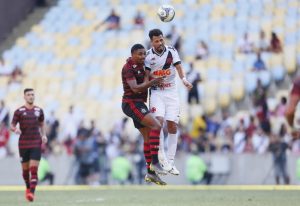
(162, 53)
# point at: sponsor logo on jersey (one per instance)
(143, 110)
(162, 72)
(24, 113)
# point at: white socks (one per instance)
(162, 144)
(172, 146)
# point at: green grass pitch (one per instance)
(154, 196)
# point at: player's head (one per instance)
(29, 95)
(157, 39)
(138, 53)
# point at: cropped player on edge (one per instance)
(135, 87)
(163, 61)
(293, 101)
(32, 133)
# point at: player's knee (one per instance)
(156, 126)
(172, 128)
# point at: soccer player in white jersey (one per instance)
(162, 61)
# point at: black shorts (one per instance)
(30, 154)
(137, 111)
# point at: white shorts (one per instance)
(165, 104)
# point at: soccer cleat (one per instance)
(174, 170)
(163, 161)
(27, 192)
(157, 169)
(154, 178)
(29, 196)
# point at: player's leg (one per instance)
(139, 112)
(147, 154)
(154, 139)
(172, 145)
(163, 160)
(151, 176)
(35, 157)
(172, 119)
(24, 157)
(157, 108)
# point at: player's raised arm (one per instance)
(182, 76)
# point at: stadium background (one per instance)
(58, 52)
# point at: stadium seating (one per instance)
(69, 62)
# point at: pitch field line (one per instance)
(145, 187)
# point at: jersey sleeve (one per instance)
(16, 118)
(176, 58)
(128, 74)
(147, 63)
(42, 116)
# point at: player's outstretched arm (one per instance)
(181, 74)
(136, 88)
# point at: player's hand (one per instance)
(44, 139)
(18, 131)
(157, 81)
(187, 84)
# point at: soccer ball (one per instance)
(166, 13)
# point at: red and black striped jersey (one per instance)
(133, 71)
(30, 121)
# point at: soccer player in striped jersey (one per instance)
(293, 100)
(32, 133)
(135, 86)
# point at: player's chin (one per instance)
(141, 62)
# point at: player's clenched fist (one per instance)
(187, 84)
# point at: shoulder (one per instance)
(126, 67)
(20, 109)
(37, 108)
(149, 53)
(170, 48)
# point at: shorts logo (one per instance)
(143, 110)
(37, 113)
(153, 110)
